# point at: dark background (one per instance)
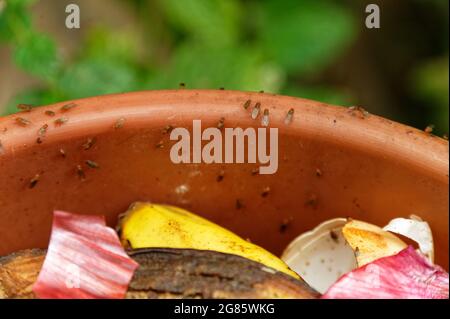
(307, 48)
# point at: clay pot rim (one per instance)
(371, 134)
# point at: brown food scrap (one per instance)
(239, 204)
(89, 143)
(92, 164)
(39, 140)
(119, 123)
(221, 175)
(22, 121)
(18, 273)
(34, 181)
(221, 123)
(25, 107)
(247, 104)
(67, 107)
(61, 120)
(266, 191)
(2, 149)
(50, 113)
(172, 273)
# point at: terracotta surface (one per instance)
(370, 168)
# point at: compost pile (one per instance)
(159, 251)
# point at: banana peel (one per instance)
(370, 242)
(171, 273)
(147, 225)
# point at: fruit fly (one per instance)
(312, 201)
(22, 121)
(182, 85)
(92, 164)
(221, 123)
(285, 224)
(50, 113)
(119, 123)
(160, 144)
(221, 176)
(334, 236)
(429, 129)
(266, 191)
(62, 152)
(61, 120)
(265, 118)
(67, 107)
(43, 130)
(167, 129)
(89, 143)
(256, 110)
(239, 204)
(289, 116)
(358, 110)
(25, 107)
(318, 172)
(247, 104)
(34, 181)
(255, 171)
(80, 172)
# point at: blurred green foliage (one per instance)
(271, 45)
(212, 43)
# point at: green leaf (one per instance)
(114, 45)
(36, 54)
(430, 83)
(95, 77)
(214, 22)
(305, 36)
(15, 19)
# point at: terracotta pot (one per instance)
(333, 162)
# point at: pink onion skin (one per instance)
(406, 275)
(85, 260)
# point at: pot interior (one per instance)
(332, 163)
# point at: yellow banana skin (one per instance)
(147, 225)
